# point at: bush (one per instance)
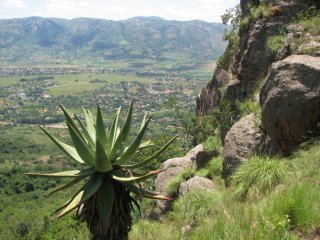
(275, 43)
(195, 204)
(258, 175)
(215, 167)
(250, 106)
(212, 143)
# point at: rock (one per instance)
(162, 181)
(210, 95)
(244, 139)
(177, 162)
(290, 100)
(200, 157)
(195, 182)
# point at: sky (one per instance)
(206, 10)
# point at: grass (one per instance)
(212, 143)
(173, 186)
(287, 207)
(249, 106)
(257, 176)
(275, 43)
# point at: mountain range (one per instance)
(139, 37)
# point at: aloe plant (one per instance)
(106, 199)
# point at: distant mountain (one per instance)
(139, 37)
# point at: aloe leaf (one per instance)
(67, 149)
(65, 174)
(105, 199)
(100, 130)
(113, 129)
(145, 193)
(89, 123)
(70, 121)
(124, 133)
(143, 121)
(65, 186)
(132, 150)
(146, 144)
(85, 132)
(83, 149)
(122, 177)
(102, 162)
(155, 155)
(84, 194)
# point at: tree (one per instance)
(104, 201)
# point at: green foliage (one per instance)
(110, 181)
(195, 204)
(212, 143)
(249, 106)
(215, 167)
(275, 43)
(225, 58)
(150, 230)
(310, 21)
(258, 175)
(202, 128)
(173, 186)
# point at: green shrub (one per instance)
(258, 175)
(250, 106)
(195, 204)
(275, 43)
(212, 143)
(215, 167)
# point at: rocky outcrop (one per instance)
(290, 101)
(195, 158)
(244, 139)
(210, 96)
(194, 183)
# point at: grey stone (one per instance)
(244, 139)
(290, 100)
(195, 182)
(162, 181)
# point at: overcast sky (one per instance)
(207, 10)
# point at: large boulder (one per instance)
(195, 182)
(290, 100)
(161, 183)
(244, 139)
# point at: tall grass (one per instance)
(173, 186)
(257, 176)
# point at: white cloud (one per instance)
(14, 3)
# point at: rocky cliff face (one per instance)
(277, 50)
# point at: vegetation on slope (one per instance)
(283, 204)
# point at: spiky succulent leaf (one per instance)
(85, 132)
(65, 186)
(66, 174)
(83, 148)
(113, 130)
(90, 123)
(132, 149)
(105, 198)
(155, 155)
(122, 177)
(102, 162)
(145, 193)
(123, 135)
(84, 194)
(100, 130)
(67, 149)
(70, 121)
